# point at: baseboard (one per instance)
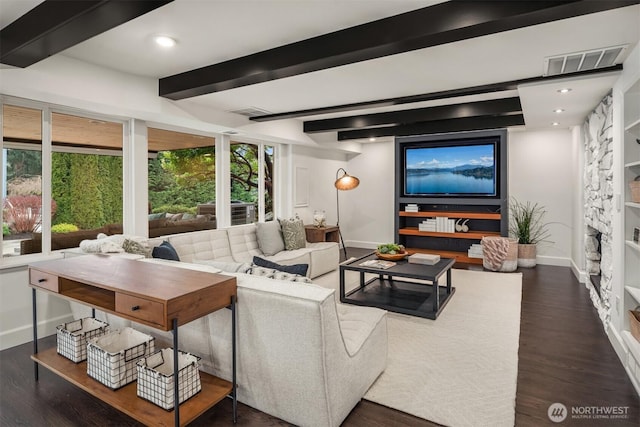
(581, 275)
(550, 260)
(24, 334)
(617, 343)
(361, 244)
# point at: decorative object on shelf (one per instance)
(500, 253)
(634, 323)
(391, 252)
(344, 182)
(636, 235)
(319, 218)
(634, 186)
(462, 227)
(528, 227)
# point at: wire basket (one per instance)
(111, 359)
(155, 377)
(72, 337)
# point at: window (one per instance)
(182, 182)
(21, 179)
(252, 184)
(86, 179)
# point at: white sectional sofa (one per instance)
(302, 357)
(240, 244)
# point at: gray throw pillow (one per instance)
(293, 233)
(269, 236)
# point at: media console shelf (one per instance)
(487, 223)
(160, 296)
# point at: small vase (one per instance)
(319, 219)
(527, 255)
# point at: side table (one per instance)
(330, 233)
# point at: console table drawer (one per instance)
(140, 308)
(43, 280)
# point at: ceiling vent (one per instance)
(251, 112)
(230, 132)
(582, 61)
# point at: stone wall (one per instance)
(598, 205)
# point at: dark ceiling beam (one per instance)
(430, 26)
(53, 26)
(423, 128)
(445, 94)
(504, 106)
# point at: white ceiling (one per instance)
(212, 31)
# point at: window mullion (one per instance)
(46, 212)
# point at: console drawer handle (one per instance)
(135, 307)
(42, 280)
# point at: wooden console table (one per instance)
(330, 233)
(163, 297)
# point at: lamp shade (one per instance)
(346, 181)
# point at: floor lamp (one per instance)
(343, 183)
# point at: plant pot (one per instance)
(526, 255)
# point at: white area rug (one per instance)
(461, 369)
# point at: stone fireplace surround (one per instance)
(598, 203)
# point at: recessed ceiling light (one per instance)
(555, 124)
(564, 90)
(164, 41)
(558, 110)
(372, 139)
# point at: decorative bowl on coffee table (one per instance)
(392, 257)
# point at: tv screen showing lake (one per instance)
(450, 170)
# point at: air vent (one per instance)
(582, 61)
(251, 112)
(230, 132)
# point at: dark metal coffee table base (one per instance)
(418, 296)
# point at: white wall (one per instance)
(578, 264)
(367, 213)
(540, 171)
(16, 313)
(321, 166)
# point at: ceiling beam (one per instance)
(451, 125)
(53, 26)
(505, 106)
(430, 26)
(445, 94)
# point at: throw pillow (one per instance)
(269, 236)
(165, 251)
(228, 266)
(293, 233)
(133, 247)
(159, 215)
(278, 275)
(300, 269)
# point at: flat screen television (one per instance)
(453, 169)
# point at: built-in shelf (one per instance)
(458, 256)
(633, 245)
(632, 205)
(633, 128)
(632, 344)
(632, 164)
(460, 215)
(634, 292)
(413, 231)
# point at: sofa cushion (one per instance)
(269, 236)
(202, 245)
(293, 233)
(228, 266)
(300, 269)
(244, 242)
(165, 251)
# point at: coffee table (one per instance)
(420, 295)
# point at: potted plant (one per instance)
(528, 226)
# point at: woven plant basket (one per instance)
(634, 323)
(635, 191)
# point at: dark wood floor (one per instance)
(564, 357)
